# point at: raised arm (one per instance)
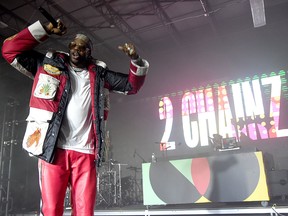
(18, 50)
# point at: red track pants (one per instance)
(71, 168)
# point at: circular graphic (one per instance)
(170, 185)
(200, 172)
(233, 177)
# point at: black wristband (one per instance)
(135, 57)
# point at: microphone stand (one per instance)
(143, 160)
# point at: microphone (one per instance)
(48, 17)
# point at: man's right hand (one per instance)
(59, 30)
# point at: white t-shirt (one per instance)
(76, 130)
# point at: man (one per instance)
(65, 126)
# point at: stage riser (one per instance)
(225, 211)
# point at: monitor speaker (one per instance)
(278, 183)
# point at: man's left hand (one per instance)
(60, 29)
(130, 50)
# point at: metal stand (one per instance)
(106, 186)
(67, 200)
(114, 190)
(136, 189)
(100, 198)
(119, 181)
(6, 153)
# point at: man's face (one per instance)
(78, 53)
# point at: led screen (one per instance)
(249, 109)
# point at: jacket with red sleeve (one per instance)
(51, 87)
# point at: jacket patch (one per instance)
(46, 87)
(34, 137)
(51, 69)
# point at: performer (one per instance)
(65, 125)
